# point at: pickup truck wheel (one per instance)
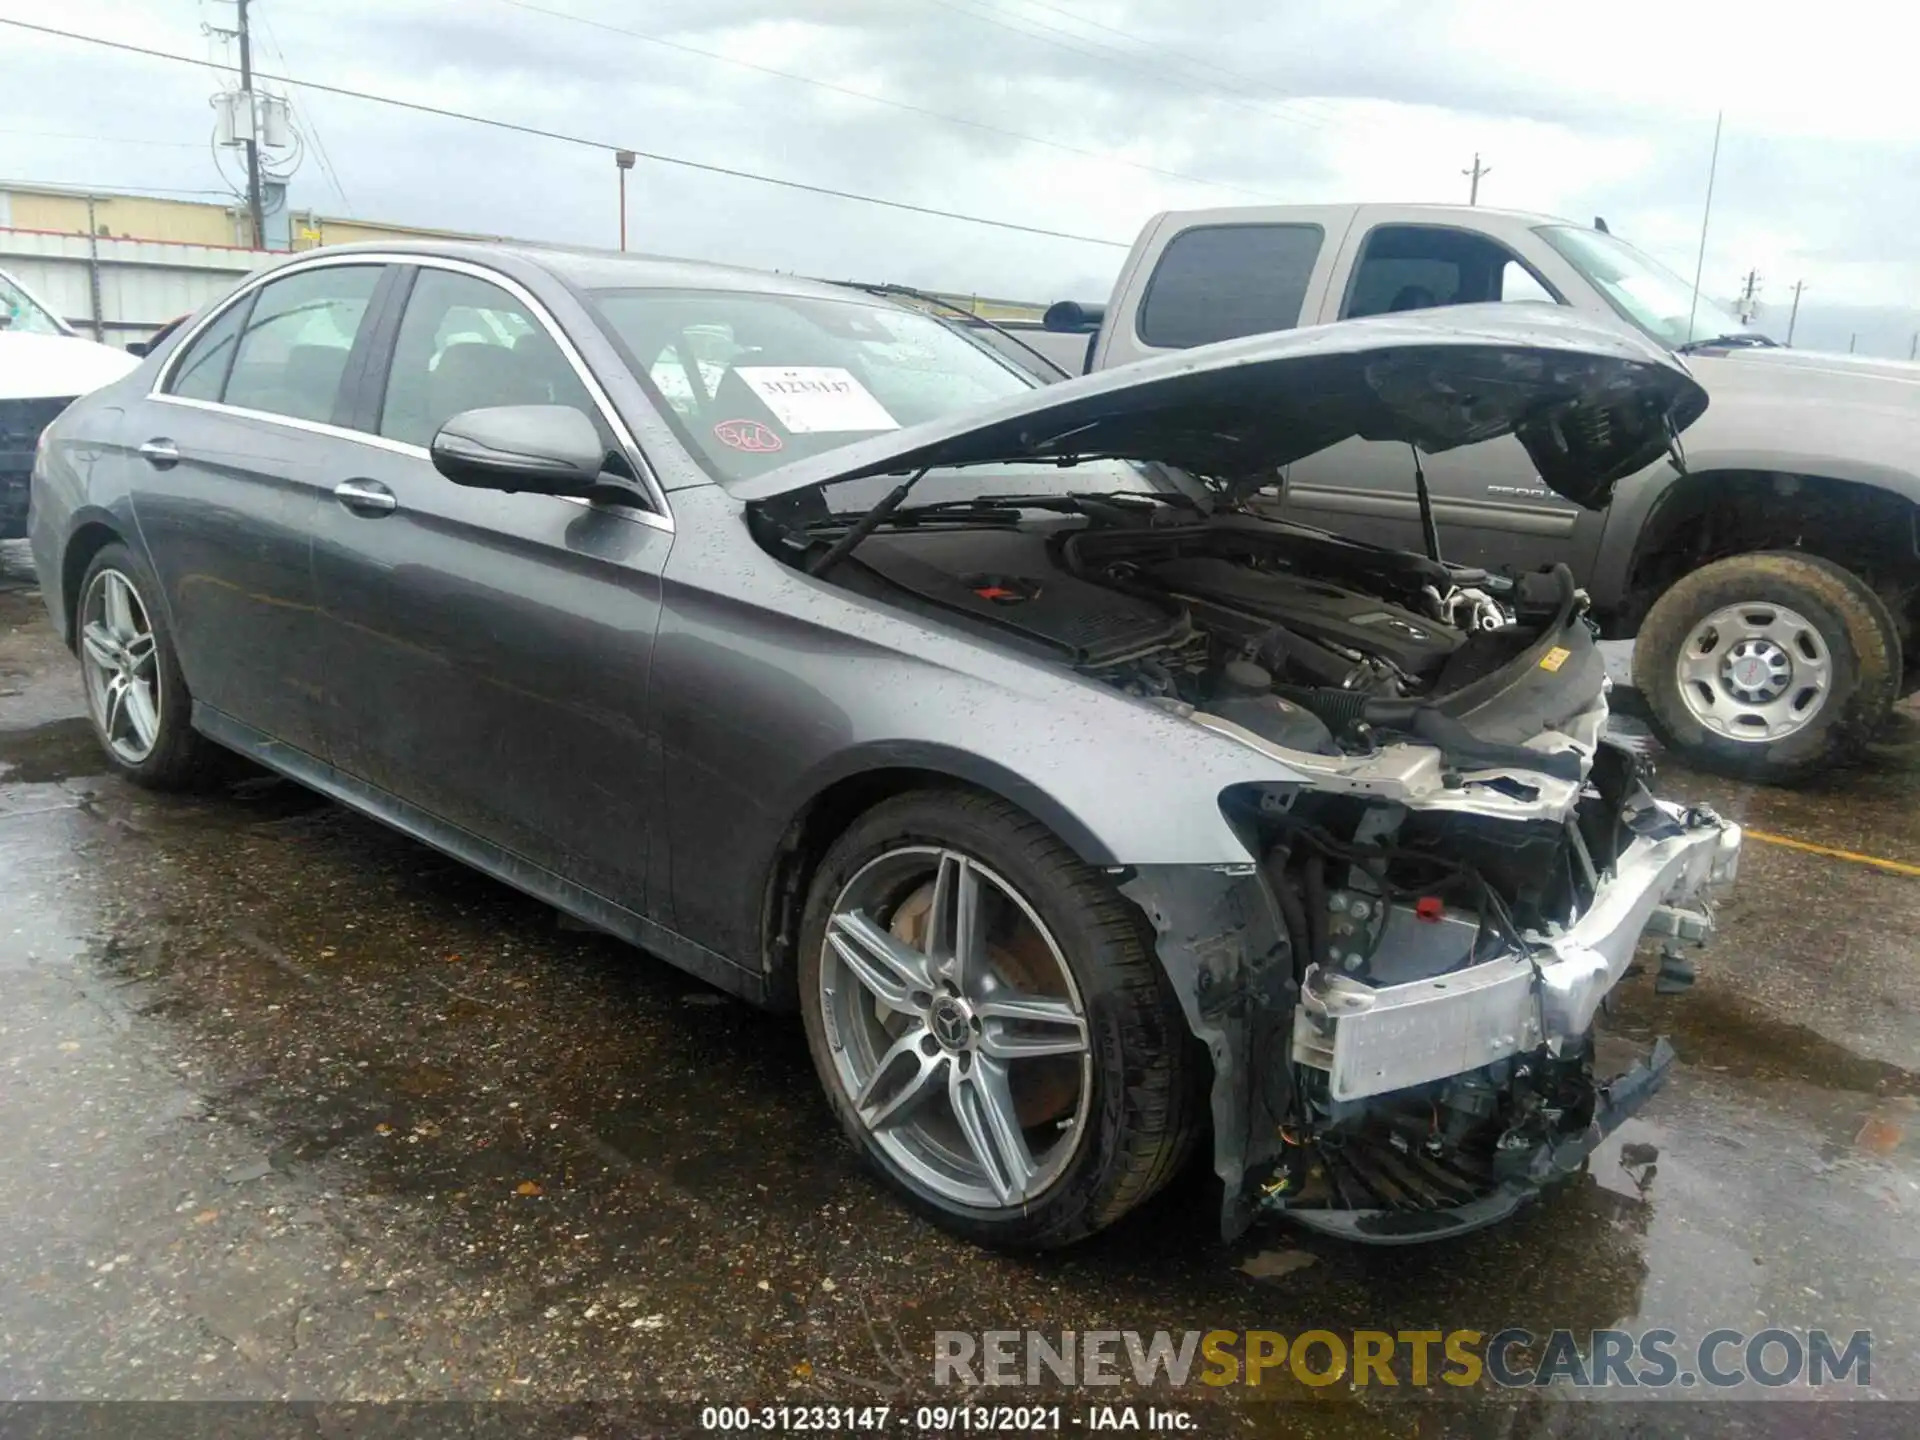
(1770, 666)
(990, 1023)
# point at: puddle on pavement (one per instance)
(62, 750)
(1720, 1032)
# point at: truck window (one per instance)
(1418, 267)
(1517, 282)
(1218, 282)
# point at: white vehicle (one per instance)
(44, 367)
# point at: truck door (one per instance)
(1491, 506)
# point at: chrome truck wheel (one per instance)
(1755, 672)
(1770, 666)
(990, 1023)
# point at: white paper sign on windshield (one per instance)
(812, 398)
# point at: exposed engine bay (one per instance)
(1418, 1048)
(1312, 642)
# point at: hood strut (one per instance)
(865, 525)
(1429, 531)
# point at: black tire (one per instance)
(181, 758)
(1146, 1102)
(1852, 621)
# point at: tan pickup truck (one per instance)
(1772, 585)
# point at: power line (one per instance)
(106, 139)
(538, 133)
(319, 145)
(1112, 55)
(868, 96)
(67, 187)
(1161, 50)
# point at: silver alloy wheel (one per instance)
(1757, 672)
(955, 1027)
(121, 666)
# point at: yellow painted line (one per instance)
(1896, 867)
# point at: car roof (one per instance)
(598, 269)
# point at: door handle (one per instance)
(366, 497)
(160, 453)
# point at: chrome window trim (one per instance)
(661, 516)
(380, 442)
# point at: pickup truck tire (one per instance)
(1772, 666)
(917, 1024)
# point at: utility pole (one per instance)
(1473, 191)
(1749, 306)
(1794, 314)
(1913, 349)
(254, 207)
(623, 161)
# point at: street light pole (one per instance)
(623, 160)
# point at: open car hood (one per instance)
(1592, 403)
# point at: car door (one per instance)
(1490, 505)
(241, 436)
(488, 653)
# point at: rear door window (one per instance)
(1219, 282)
(293, 356)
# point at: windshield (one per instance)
(22, 314)
(753, 381)
(1642, 289)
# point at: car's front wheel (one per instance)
(990, 1023)
(136, 696)
(1770, 666)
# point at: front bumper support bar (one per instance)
(1374, 1040)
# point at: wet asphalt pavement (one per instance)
(293, 1107)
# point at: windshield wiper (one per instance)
(1739, 340)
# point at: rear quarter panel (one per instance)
(79, 489)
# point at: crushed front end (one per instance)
(1399, 998)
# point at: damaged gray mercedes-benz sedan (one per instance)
(1084, 807)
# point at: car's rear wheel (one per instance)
(1770, 666)
(136, 697)
(990, 1024)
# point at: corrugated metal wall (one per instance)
(119, 290)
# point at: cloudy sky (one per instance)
(1080, 116)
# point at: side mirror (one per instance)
(544, 449)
